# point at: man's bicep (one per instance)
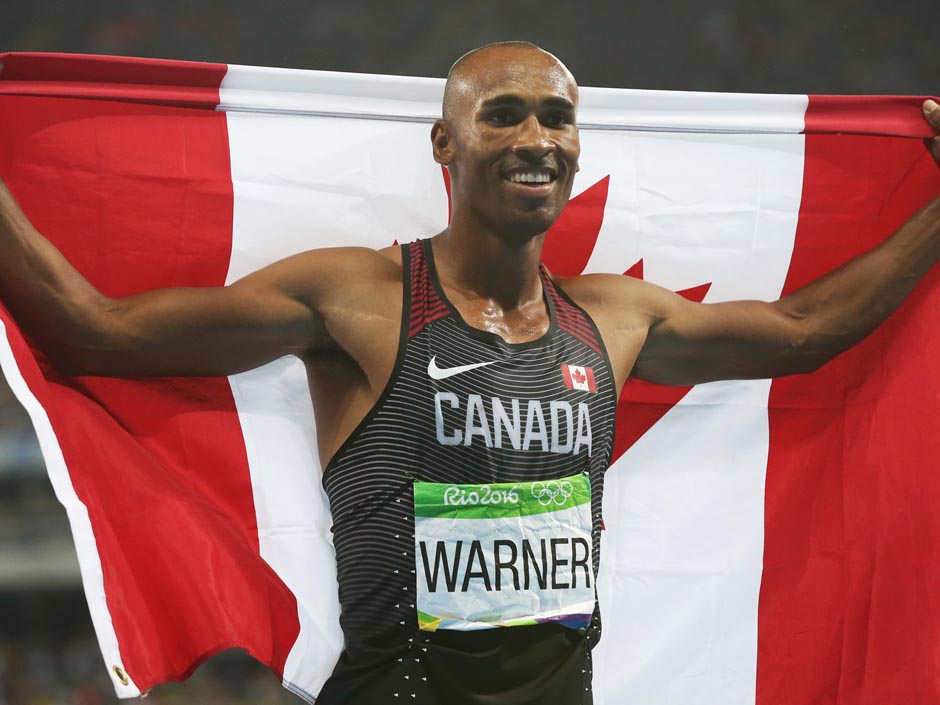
(199, 332)
(691, 343)
(214, 330)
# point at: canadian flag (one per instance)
(767, 542)
(577, 377)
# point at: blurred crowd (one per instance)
(48, 654)
(792, 46)
(69, 671)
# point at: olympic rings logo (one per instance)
(557, 491)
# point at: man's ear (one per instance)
(442, 142)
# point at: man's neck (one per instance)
(482, 264)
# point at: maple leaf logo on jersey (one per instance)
(577, 377)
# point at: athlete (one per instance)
(473, 390)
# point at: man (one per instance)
(459, 363)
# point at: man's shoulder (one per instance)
(349, 264)
(366, 256)
(380, 262)
(334, 276)
(614, 301)
(601, 289)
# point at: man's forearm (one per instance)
(53, 302)
(844, 306)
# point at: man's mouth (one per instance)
(531, 177)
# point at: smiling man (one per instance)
(464, 396)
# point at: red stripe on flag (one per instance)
(847, 610)
(896, 116)
(180, 83)
(139, 197)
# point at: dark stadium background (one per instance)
(48, 654)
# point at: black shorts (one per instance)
(541, 664)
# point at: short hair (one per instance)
(456, 71)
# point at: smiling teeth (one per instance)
(530, 178)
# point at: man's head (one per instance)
(508, 137)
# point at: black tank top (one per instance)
(410, 435)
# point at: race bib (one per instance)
(504, 555)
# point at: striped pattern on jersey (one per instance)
(369, 481)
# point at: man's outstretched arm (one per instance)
(184, 331)
(690, 343)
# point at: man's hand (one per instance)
(932, 115)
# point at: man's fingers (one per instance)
(932, 113)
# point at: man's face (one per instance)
(513, 143)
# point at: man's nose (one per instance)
(532, 141)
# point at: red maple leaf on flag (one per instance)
(578, 377)
(568, 247)
(571, 240)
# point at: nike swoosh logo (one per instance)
(435, 372)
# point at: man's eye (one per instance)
(557, 120)
(501, 118)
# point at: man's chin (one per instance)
(532, 223)
(523, 221)
(541, 216)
